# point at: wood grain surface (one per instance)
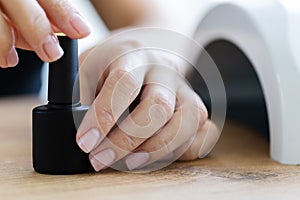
(238, 168)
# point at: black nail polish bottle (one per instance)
(54, 125)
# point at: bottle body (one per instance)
(55, 150)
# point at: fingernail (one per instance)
(88, 141)
(79, 24)
(12, 58)
(52, 48)
(137, 159)
(103, 159)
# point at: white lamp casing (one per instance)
(268, 33)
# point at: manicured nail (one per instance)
(136, 160)
(88, 141)
(79, 24)
(12, 58)
(103, 159)
(52, 48)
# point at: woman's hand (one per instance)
(168, 119)
(30, 24)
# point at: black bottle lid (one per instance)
(63, 84)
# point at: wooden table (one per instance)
(238, 168)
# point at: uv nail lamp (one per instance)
(256, 46)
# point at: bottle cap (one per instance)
(63, 84)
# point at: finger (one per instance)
(64, 16)
(120, 88)
(20, 41)
(96, 65)
(31, 21)
(206, 138)
(189, 115)
(151, 114)
(8, 54)
(197, 147)
(56, 30)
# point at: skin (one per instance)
(31, 24)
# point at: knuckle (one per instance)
(128, 142)
(200, 114)
(36, 29)
(190, 154)
(160, 100)
(130, 44)
(199, 109)
(120, 73)
(63, 10)
(192, 151)
(55, 5)
(163, 145)
(203, 112)
(59, 11)
(124, 141)
(61, 4)
(122, 47)
(156, 145)
(125, 77)
(105, 118)
(37, 20)
(171, 63)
